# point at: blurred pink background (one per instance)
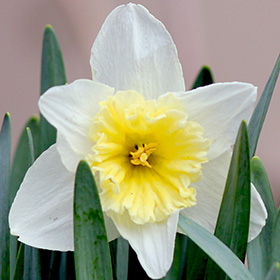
(239, 40)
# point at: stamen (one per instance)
(140, 157)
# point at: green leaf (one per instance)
(21, 158)
(18, 274)
(215, 249)
(31, 264)
(5, 155)
(196, 262)
(62, 266)
(274, 272)
(203, 78)
(257, 120)
(179, 262)
(21, 163)
(92, 256)
(259, 249)
(52, 74)
(122, 259)
(27, 264)
(275, 240)
(234, 217)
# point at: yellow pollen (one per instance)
(140, 157)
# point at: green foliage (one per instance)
(204, 77)
(275, 239)
(21, 158)
(21, 162)
(259, 250)
(234, 217)
(5, 156)
(52, 74)
(274, 272)
(92, 256)
(217, 250)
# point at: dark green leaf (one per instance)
(5, 155)
(52, 74)
(203, 78)
(259, 249)
(27, 264)
(92, 256)
(217, 250)
(275, 240)
(122, 259)
(177, 269)
(274, 272)
(257, 120)
(18, 274)
(62, 266)
(21, 158)
(31, 264)
(31, 146)
(196, 262)
(233, 221)
(21, 163)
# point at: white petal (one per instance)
(70, 109)
(153, 243)
(111, 230)
(258, 214)
(210, 191)
(220, 108)
(133, 50)
(42, 212)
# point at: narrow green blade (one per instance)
(196, 262)
(5, 155)
(179, 262)
(274, 272)
(234, 217)
(18, 274)
(21, 157)
(203, 78)
(216, 249)
(31, 264)
(52, 74)
(259, 249)
(92, 256)
(122, 259)
(257, 120)
(275, 240)
(21, 163)
(62, 266)
(27, 264)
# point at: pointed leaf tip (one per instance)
(204, 77)
(5, 154)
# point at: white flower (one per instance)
(158, 149)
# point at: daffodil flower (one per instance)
(157, 150)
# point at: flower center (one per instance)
(140, 157)
(152, 179)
